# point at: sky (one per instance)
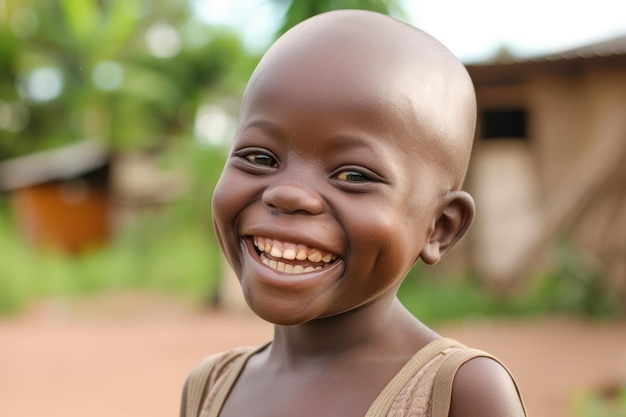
(473, 29)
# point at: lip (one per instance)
(285, 234)
(275, 278)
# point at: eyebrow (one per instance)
(267, 126)
(347, 142)
(341, 141)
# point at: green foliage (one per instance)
(575, 285)
(157, 254)
(436, 299)
(594, 404)
(88, 68)
(571, 287)
(173, 250)
(297, 11)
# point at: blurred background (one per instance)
(115, 120)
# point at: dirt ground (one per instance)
(128, 355)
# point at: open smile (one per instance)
(291, 258)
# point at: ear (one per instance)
(454, 220)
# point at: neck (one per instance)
(372, 329)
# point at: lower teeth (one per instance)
(288, 268)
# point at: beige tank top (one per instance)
(422, 387)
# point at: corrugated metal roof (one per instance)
(62, 163)
(614, 46)
(607, 48)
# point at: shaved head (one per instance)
(353, 140)
(389, 63)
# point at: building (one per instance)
(60, 199)
(76, 197)
(549, 162)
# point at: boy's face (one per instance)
(326, 166)
(341, 167)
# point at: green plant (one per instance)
(600, 404)
(297, 11)
(571, 286)
(130, 73)
(435, 299)
(575, 285)
(163, 252)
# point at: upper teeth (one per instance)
(291, 251)
(286, 267)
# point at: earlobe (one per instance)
(454, 221)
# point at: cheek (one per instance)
(229, 196)
(387, 241)
(226, 205)
(219, 205)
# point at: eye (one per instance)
(352, 176)
(357, 178)
(261, 159)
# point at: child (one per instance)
(346, 168)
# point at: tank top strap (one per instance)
(224, 389)
(208, 369)
(385, 399)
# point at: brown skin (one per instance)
(353, 139)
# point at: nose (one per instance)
(293, 198)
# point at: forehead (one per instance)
(336, 76)
(336, 62)
(326, 109)
(329, 93)
(370, 70)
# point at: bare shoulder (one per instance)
(482, 387)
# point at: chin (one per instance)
(279, 312)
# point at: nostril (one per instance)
(292, 198)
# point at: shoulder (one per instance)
(484, 387)
(209, 372)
